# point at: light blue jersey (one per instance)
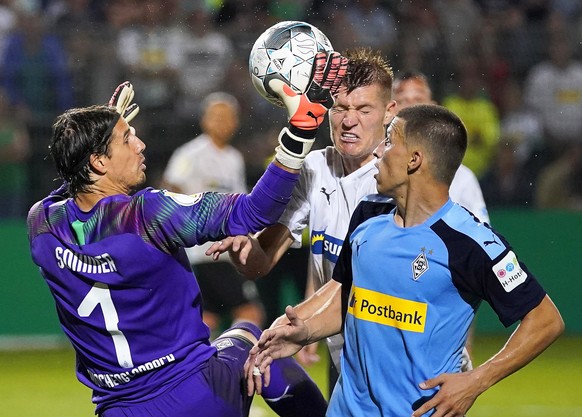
(410, 295)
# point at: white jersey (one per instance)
(198, 166)
(466, 191)
(324, 200)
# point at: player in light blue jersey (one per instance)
(407, 285)
(332, 183)
(114, 261)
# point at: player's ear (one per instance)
(415, 160)
(97, 163)
(391, 110)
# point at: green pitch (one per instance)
(42, 384)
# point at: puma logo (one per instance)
(314, 117)
(491, 242)
(327, 195)
(358, 246)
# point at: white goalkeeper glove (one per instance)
(121, 100)
(307, 111)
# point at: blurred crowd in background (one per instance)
(511, 69)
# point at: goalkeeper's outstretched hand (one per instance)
(307, 111)
(121, 100)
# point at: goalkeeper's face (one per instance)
(124, 164)
(358, 120)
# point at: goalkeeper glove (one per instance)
(307, 111)
(121, 100)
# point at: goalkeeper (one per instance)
(115, 264)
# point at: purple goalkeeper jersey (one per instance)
(124, 291)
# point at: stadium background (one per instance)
(498, 42)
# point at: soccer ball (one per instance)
(286, 51)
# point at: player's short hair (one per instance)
(441, 132)
(411, 75)
(219, 97)
(366, 67)
(77, 134)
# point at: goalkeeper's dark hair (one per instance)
(78, 134)
(441, 132)
(367, 67)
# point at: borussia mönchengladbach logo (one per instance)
(419, 266)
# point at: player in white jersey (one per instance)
(466, 191)
(328, 197)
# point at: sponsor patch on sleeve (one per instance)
(509, 272)
(223, 344)
(183, 199)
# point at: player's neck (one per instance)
(416, 206)
(220, 143)
(86, 201)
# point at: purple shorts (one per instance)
(217, 390)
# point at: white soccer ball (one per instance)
(286, 51)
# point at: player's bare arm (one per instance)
(314, 303)
(538, 330)
(255, 256)
(287, 339)
(307, 356)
